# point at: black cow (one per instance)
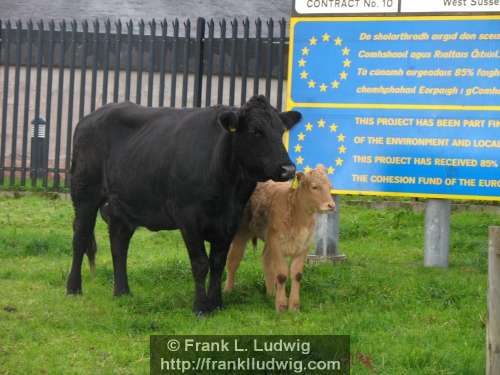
(164, 168)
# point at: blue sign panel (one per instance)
(399, 106)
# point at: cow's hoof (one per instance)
(73, 291)
(121, 292)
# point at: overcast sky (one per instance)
(146, 9)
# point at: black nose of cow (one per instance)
(287, 171)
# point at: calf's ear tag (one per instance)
(295, 183)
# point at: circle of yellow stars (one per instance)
(302, 136)
(305, 53)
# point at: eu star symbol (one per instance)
(305, 51)
(307, 169)
(300, 160)
(343, 75)
(338, 41)
(339, 162)
(321, 123)
(347, 63)
(304, 75)
(345, 51)
(323, 87)
(330, 170)
(335, 84)
(341, 137)
(333, 128)
(309, 127)
(342, 149)
(311, 84)
(303, 62)
(298, 148)
(301, 136)
(313, 41)
(325, 37)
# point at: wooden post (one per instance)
(493, 325)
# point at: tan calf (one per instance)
(283, 215)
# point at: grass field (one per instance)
(402, 318)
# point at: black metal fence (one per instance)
(53, 75)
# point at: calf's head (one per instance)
(257, 130)
(314, 188)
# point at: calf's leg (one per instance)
(280, 266)
(234, 257)
(269, 274)
(83, 240)
(296, 269)
(119, 236)
(199, 266)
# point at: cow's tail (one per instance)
(91, 251)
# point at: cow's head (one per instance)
(257, 130)
(314, 189)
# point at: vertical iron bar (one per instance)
(83, 68)
(60, 99)
(187, 42)
(34, 145)
(27, 96)
(281, 64)
(138, 91)
(118, 48)
(71, 95)
(220, 83)
(48, 102)
(152, 27)
(6, 47)
(270, 37)
(105, 72)
(15, 109)
(130, 27)
(234, 36)
(93, 89)
(173, 77)
(210, 56)
(258, 43)
(163, 52)
(198, 62)
(244, 60)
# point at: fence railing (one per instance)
(53, 75)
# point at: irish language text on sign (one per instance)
(411, 152)
(396, 61)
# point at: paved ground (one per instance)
(147, 9)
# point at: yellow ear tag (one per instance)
(295, 183)
(232, 130)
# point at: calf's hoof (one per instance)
(294, 307)
(281, 307)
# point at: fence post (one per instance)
(493, 325)
(327, 236)
(198, 62)
(437, 232)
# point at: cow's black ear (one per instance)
(228, 120)
(290, 118)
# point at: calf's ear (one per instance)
(228, 120)
(290, 118)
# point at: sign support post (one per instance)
(437, 232)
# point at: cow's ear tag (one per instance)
(232, 129)
(295, 183)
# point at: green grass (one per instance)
(402, 318)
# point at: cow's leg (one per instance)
(218, 256)
(199, 266)
(269, 274)
(234, 258)
(83, 241)
(119, 236)
(296, 269)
